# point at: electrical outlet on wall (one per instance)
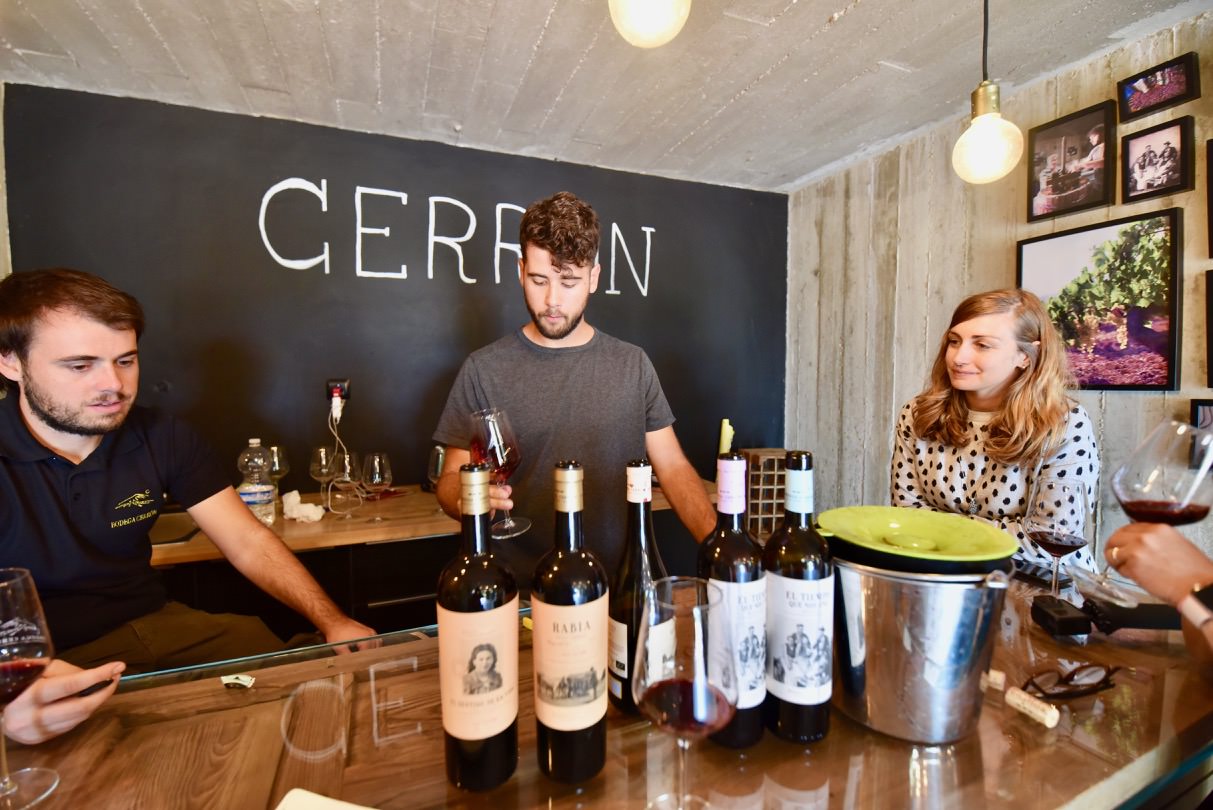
(337, 387)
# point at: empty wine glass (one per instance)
(322, 470)
(493, 443)
(346, 478)
(25, 650)
(376, 476)
(1058, 519)
(433, 470)
(684, 680)
(279, 466)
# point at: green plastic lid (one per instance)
(919, 533)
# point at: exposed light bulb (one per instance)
(991, 147)
(649, 23)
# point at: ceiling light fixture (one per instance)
(991, 147)
(649, 23)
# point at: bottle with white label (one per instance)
(640, 566)
(257, 489)
(800, 614)
(478, 649)
(732, 560)
(569, 598)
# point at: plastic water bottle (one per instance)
(257, 490)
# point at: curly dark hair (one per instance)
(563, 225)
(26, 297)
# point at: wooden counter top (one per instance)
(366, 728)
(409, 514)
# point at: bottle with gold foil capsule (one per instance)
(569, 598)
(478, 649)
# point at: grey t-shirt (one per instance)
(592, 403)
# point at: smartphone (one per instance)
(1040, 574)
(95, 688)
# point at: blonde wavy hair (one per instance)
(1032, 418)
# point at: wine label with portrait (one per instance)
(570, 660)
(478, 670)
(746, 604)
(617, 642)
(800, 639)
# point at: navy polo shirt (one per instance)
(82, 529)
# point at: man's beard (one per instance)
(60, 419)
(560, 333)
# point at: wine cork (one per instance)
(1044, 713)
(995, 678)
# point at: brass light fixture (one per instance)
(991, 147)
(649, 23)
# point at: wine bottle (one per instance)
(800, 614)
(478, 649)
(732, 560)
(569, 598)
(641, 565)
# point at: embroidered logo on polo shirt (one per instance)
(137, 501)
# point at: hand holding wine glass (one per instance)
(684, 680)
(493, 443)
(1166, 479)
(25, 650)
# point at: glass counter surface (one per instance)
(366, 727)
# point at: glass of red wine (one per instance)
(684, 680)
(493, 443)
(25, 650)
(1058, 519)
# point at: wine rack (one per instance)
(764, 489)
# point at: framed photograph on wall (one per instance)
(1157, 161)
(1113, 292)
(1157, 88)
(1072, 163)
(1208, 330)
(1209, 191)
(1202, 413)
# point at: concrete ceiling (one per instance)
(753, 93)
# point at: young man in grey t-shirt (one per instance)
(570, 391)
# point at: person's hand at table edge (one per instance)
(50, 706)
(349, 630)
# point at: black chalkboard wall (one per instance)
(166, 203)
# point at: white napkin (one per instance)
(294, 508)
(300, 799)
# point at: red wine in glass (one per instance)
(685, 709)
(1055, 543)
(1173, 514)
(18, 674)
(493, 443)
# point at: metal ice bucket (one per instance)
(909, 649)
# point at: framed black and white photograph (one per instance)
(1157, 161)
(1157, 88)
(1113, 292)
(1202, 413)
(1072, 164)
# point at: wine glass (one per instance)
(1058, 519)
(493, 443)
(25, 650)
(684, 680)
(376, 476)
(433, 470)
(322, 470)
(346, 478)
(279, 466)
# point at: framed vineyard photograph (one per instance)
(1072, 164)
(1112, 290)
(1157, 88)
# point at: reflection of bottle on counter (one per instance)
(257, 490)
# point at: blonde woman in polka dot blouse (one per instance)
(995, 420)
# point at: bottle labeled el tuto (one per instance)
(478, 649)
(569, 599)
(640, 566)
(732, 560)
(800, 614)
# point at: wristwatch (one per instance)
(1197, 606)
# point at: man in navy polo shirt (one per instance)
(84, 473)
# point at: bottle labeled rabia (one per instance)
(732, 560)
(640, 566)
(800, 614)
(478, 649)
(569, 598)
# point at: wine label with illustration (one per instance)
(570, 659)
(798, 491)
(640, 484)
(730, 486)
(800, 636)
(617, 641)
(478, 670)
(746, 613)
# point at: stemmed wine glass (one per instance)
(322, 470)
(25, 650)
(376, 476)
(346, 478)
(279, 466)
(1058, 519)
(684, 680)
(433, 470)
(493, 443)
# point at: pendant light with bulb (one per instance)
(649, 23)
(991, 147)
